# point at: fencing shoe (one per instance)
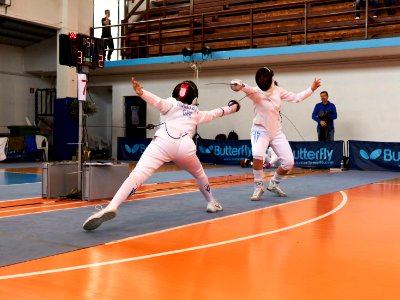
(98, 218)
(274, 188)
(214, 206)
(258, 191)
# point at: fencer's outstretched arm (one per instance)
(154, 100)
(164, 105)
(236, 85)
(298, 97)
(316, 84)
(253, 93)
(207, 116)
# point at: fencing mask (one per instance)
(185, 92)
(264, 77)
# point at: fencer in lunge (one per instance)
(267, 129)
(171, 142)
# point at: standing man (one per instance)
(324, 113)
(267, 128)
(106, 34)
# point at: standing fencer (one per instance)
(267, 128)
(171, 142)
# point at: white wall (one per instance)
(42, 57)
(366, 95)
(16, 101)
(43, 12)
(37, 66)
(366, 92)
(50, 13)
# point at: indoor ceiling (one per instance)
(23, 34)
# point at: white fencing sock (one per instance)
(258, 175)
(204, 187)
(277, 178)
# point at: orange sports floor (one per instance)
(341, 245)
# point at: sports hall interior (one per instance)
(333, 237)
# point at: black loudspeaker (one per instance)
(135, 117)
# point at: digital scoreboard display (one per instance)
(81, 50)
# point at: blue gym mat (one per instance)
(39, 235)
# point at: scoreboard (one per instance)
(77, 50)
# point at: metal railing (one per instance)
(270, 25)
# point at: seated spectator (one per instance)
(232, 135)
(374, 3)
(388, 3)
(220, 137)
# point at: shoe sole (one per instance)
(257, 198)
(96, 222)
(277, 193)
(213, 211)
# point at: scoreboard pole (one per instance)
(82, 81)
(83, 52)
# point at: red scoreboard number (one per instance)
(81, 50)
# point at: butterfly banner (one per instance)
(224, 152)
(320, 155)
(131, 148)
(374, 156)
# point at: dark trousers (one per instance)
(374, 3)
(326, 134)
(108, 43)
(391, 11)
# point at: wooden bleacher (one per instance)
(241, 24)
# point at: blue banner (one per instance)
(224, 152)
(231, 152)
(374, 156)
(306, 154)
(317, 154)
(131, 148)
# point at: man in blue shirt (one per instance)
(324, 113)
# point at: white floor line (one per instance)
(341, 205)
